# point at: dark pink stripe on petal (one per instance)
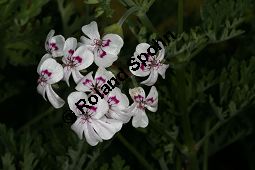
(100, 79)
(78, 58)
(138, 98)
(150, 100)
(86, 82)
(102, 54)
(71, 52)
(107, 43)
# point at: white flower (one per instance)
(118, 103)
(98, 84)
(104, 84)
(106, 49)
(50, 72)
(75, 60)
(54, 44)
(153, 65)
(141, 102)
(91, 121)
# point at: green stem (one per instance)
(206, 145)
(180, 16)
(182, 102)
(62, 14)
(134, 151)
(126, 15)
(146, 21)
(134, 81)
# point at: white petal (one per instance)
(102, 108)
(54, 99)
(77, 76)
(41, 90)
(142, 48)
(59, 40)
(69, 46)
(120, 115)
(103, 59)
(152, 100)
(161, 52)
(49, 36)
(84, 58)
(45, 57)
(151, 80)
(112, 43)
(135, 92)
(86, 83)
(115, 123)
(86, 41)
(91, 30)
(103, 73)
(78, 127)
(67, 74)
(162, 70)
(91, 136)
(106, 130)
(124, 102)
(140, 118)
(142, 70)
(56, 70)
(73, 98)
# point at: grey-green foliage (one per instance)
(117, 164)
(220, 19)
(21, 47)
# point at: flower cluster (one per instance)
(66, 58)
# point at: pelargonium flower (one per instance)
(91, 121)
(118, 103)
(104, 84)
(54, 44)
(154, 64)
(75, 60)
(95, 85)
(50, 72)
(141, 102)
(106, 49)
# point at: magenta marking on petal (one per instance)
(54, 46)
(93, 108)
(86, 82)
(142, 67)
(150, 100)
(46, 72)
(100, 79)
(107, 43)
(78, 58)
(102, 54)
(114, 100)
(138, 98)
(71, 52)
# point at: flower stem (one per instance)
(206, 144)
(146, 21)
(126, 15)
(180, 16)
(134, 151)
